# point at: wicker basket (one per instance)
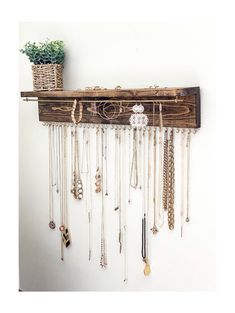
(47, 77)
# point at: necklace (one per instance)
(182, 210)
(51, 206)
(123, 170)
(154, 228)
(129, 164)
(89, 194)
(134, 165)
(84, 168)
(171, 189)
(65, 236)
(103, 257)
(140, 155)
(144, 249)
(98, 173)
(160, 215)
(116, 169)
(188, 171)
(77, 187)
(165, 171)
(106, 161)
(120, 192)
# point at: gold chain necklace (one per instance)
(165, 171)
(171, 188)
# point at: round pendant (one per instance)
(62, 228)
(80, 196)
(187, 219)
(52, 225)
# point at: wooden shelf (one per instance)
(56, 106)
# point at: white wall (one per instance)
(130, 55)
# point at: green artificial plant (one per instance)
(48, 52)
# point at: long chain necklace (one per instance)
(154, 228)
(120, 191)
(103, 258)
(182, 210)
(89, 194)
(171, 190)
(160, 174)
(124, 210)
(144, 249)
(51, 202)
(165, 171)
(134, 164)
(188, 173)
(57, 159)
(98, 186)
(65, 236)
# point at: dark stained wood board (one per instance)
(184, 114)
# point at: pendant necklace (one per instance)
(51, 202)
(98, 186)
(77, 188)
(134, 165)
(154, 228)
(65, 236)
(144, 250)
(171, 188)
(165, 171)
(103, 257)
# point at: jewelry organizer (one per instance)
(180, 106)
(149, 166)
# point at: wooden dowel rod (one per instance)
(106, 101)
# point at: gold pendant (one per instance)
(147, 269)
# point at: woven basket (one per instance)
(47, 77)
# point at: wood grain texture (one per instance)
(185, 114)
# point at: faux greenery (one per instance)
(48, 52)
